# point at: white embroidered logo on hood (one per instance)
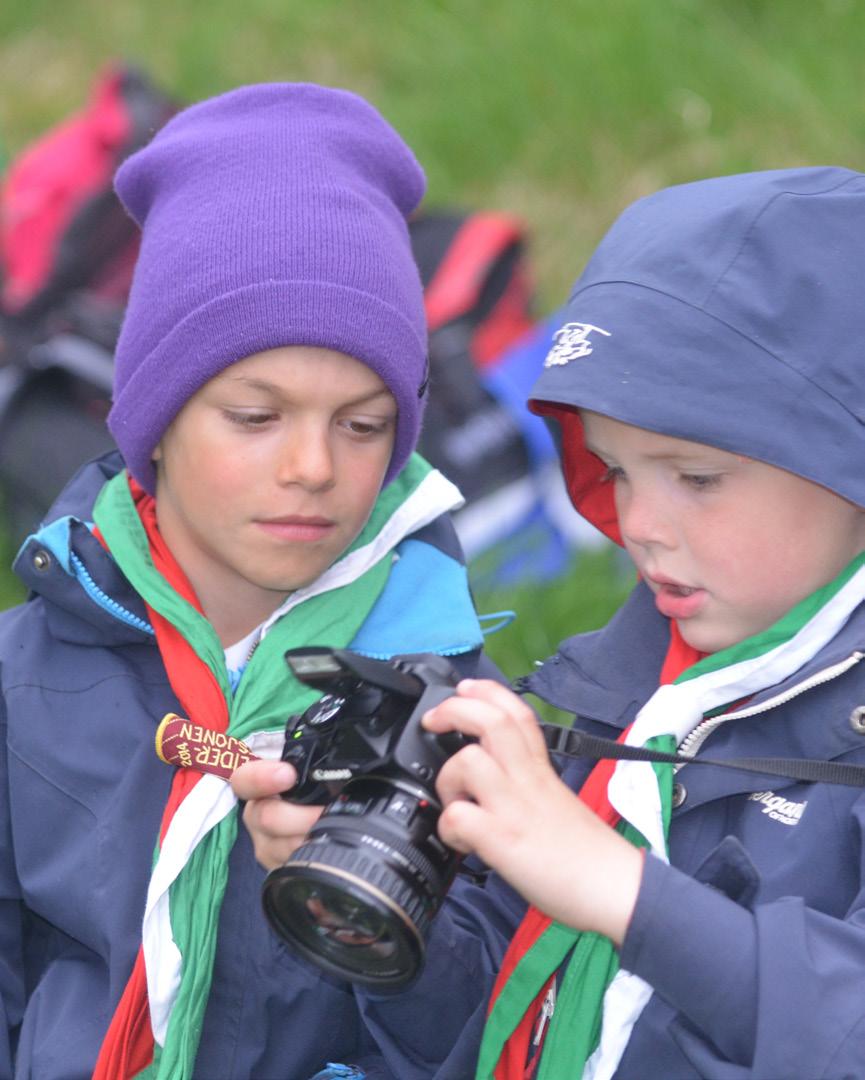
(572, 342)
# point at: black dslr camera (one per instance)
(358, 896)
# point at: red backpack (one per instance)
(486, 350)
(67, 249)
(62, 228)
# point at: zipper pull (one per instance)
(547, 1010)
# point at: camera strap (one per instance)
(577, 744)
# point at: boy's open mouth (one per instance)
(670, 586)
(678, 601)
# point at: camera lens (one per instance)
(358, 896)
(348, 931)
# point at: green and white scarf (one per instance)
(190, 866)
(599, 1003)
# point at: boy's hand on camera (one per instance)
(277, 827)
(504, 801)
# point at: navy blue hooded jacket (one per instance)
(81, 798)
(753, 938)
(729, 312)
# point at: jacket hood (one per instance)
(727, 312)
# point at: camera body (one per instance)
(359, 894)
(367, 722)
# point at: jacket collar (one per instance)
(90, 602)
(608, 675)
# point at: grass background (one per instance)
(562, 111)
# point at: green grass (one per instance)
(582, 599)
(12, 590)
(561, 111)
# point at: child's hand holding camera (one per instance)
(277, 827)
(504, 802)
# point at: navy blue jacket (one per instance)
(754, 937)
(81, 797)
(728, 312)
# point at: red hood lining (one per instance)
(583, 471)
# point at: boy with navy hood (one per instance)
(708, 923)
(270, 381)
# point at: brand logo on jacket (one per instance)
(572, 342)
(778, 808)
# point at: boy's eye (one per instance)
(612, 473)
(248, 419)
(368, 428)
(701, 481)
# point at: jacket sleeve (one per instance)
(12, 981)
(776, 988)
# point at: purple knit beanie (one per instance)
(271, 215)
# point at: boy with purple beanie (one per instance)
(270, 382)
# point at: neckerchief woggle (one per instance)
(156, 1027)
(598, 1003)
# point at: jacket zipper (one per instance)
(102, 598)
(691, 744)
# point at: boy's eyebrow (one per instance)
(679, 455)
(254, 383)
(665, 455)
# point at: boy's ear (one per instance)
(157, 452)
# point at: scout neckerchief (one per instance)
(597, 1003)
(157, 1024)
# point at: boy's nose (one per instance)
(643, 521)
(306, 458)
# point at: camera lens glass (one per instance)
(358, 896)
(346, 922)
(341, 925)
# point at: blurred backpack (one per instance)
(477, 298)
(486, 350)
(67, 249)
